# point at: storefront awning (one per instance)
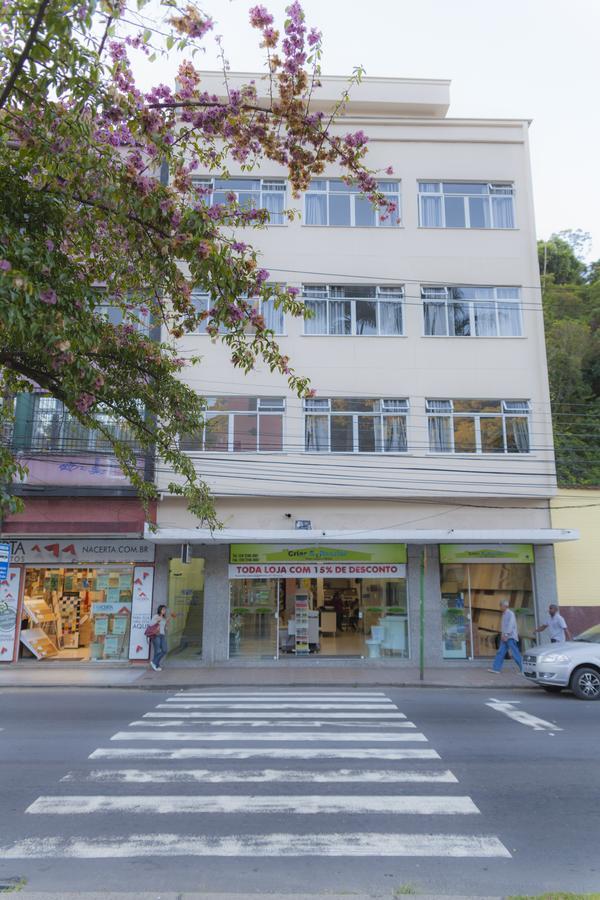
(349, 536)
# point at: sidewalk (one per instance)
(158, 895)
(288, 673)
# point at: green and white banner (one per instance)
(486, 553)
(313, 561)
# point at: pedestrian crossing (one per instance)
(305, 773)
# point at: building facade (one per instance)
(577, 563)
(387, 517)
(412, 493)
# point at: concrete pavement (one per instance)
(281, 673)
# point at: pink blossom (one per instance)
(389, 171)
(260, 17)
(50, 245)
(48, 296)
(5, 266)
(84, 402)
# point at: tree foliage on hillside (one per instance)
(571, 298)
(83, 207)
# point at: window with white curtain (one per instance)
(332, 202)
(253, 193)
(239, 424)
(471, 311)
(470, 204)
(355, 425)
(478, 426)
(273, 315)
(346, 309)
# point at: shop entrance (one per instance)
(471, 596)
(346, 618)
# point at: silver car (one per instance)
(569, 664)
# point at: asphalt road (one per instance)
(213, 794)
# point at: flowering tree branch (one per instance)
(87, 222)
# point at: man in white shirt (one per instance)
(509, 640)
(556, 625)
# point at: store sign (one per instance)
(486, 553)
(318, 570)
(141, 611)
(9, 600)
(69, 552)
(4, 560)
(331, 553)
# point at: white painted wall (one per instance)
(414, 366)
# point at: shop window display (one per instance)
(186, 608)
(77, 613)
(471, 596)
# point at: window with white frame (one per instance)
(238, 425)
(253, 193)
(139, 317)
(478, 426)
(459, 204)
(332, 202)
(353, 309)
(44, 424)
(472, 311)
(273, 315)
(355, 425)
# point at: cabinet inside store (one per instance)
(77, 613)
(476, 591)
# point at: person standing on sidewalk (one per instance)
(159, 641)
(556, 625)
(509, 639)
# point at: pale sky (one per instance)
(531, 59)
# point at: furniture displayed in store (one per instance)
(328, 623)
(394, 636)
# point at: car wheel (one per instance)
(585, 683)
(552, 688)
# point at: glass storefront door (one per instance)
(186, 608)
(471, 596)
(253, 618)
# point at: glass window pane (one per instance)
(273, 317)
(271, 433)
(364, 214)
(237, 184)
(354, 404)
(339, 209)
(339, 186)
(366, 317)
(274, 204)
(431, 212)
(341, 434)
(317, 323)
(317, 434)
(503, 212)
(340, 317)
(369, 438)
(390, 318)
(479, 212)
(477, 406)
(216, 433)
(315, 208)
(435, 318)
(455, 212)
(191, 441)
(464, 435)
(517, 434)
(465, 187)
(438, 428)
(429, 187)
(250, 199)
(394, 434)
(492, 438)
(509, 319)
(458, 319)
(485, 319)
(232, 403)
(245, 432)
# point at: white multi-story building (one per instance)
(414, 487)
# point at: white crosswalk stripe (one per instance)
(284, 731)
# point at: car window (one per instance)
(590, 635)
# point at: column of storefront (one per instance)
(544, 579)
(432, 620)
(215, 645)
